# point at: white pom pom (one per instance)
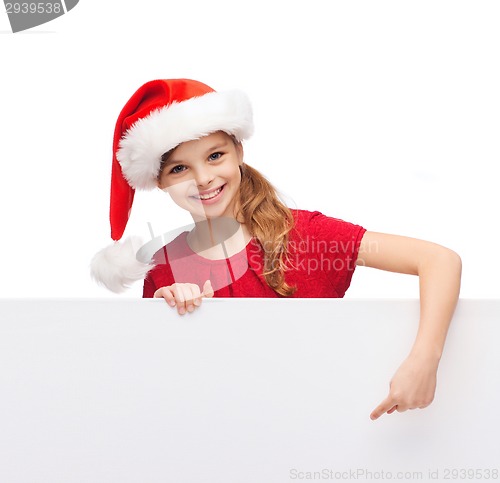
(116, 266)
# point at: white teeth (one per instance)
(209, 196)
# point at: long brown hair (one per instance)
(270, 221)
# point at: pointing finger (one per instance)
(385, 406)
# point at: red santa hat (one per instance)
(159, 116)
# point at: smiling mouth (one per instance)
(208, 196)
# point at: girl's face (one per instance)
(203, 176)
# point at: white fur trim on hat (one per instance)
(116, 266)
(142, 146)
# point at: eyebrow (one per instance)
(172, 160)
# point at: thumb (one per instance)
(208, 291)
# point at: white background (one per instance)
(382, 113)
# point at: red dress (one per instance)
(323, 253)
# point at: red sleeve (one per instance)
(159, 276)
(149, 288)
(335, 244)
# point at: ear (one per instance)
(239, 152)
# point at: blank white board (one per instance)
(242, 390)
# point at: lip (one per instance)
(210, 201)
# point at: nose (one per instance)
(203, 177)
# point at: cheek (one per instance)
(233, 174)
(179, 191)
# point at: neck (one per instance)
(218, 237)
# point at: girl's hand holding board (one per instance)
(186, 296)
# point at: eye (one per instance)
(178, 169)
(215, 156)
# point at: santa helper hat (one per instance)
(160, 115)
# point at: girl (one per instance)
(186, 139)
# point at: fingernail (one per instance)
(190, 308)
